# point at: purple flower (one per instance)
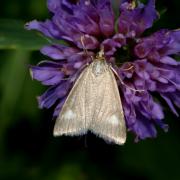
(147, 61)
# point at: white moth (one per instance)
(94, 104)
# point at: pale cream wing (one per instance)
(72, 118)
(108, 119)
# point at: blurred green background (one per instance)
(27, 148)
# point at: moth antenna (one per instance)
(121, 81)
(127, 69)
(84, 48)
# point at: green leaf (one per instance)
(14, 36)
(12, 77)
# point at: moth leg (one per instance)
(121, 81)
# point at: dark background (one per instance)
(27, 148)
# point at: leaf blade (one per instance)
(13, 35)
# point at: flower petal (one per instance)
(170, 104)
(106, 17)
(47, 75)
(58, 52)
(168, 60)
(158, 45)
(54, 93)
(61, 5)
(58, 107)
(134, 21)
(48, 28)
(53, 5)
(143, 128)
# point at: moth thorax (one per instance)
(99, 67)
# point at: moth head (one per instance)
(100, 55)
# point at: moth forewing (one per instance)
(72, 118)
(109, 120)
(93, 104)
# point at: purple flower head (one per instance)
(147, 62)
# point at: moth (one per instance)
(94, 104)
